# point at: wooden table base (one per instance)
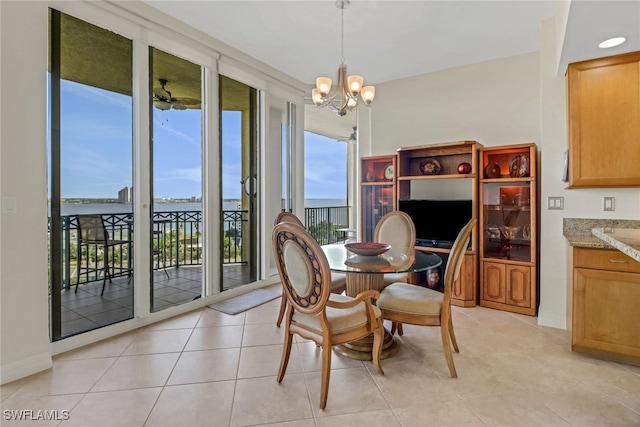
(361, 349)
(358, 282)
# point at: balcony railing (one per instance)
(177, 240)
(324, 222)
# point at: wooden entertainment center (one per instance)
(499, 270)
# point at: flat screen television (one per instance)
(437, 222)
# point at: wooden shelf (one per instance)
(449, 156)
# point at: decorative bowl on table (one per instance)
(367, 248)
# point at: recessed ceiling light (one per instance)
(612, 42)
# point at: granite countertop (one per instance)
(626, 240)
(620, 234)
(586, 241)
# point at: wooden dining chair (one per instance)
(338, 280)
(313, 312)
(397, 229)
(416, 305)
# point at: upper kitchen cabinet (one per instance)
(604, 122)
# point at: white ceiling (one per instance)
(389, 40)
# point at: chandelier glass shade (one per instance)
(348, 90)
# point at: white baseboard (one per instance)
(552, 320)
(24, 368)
(40, 362)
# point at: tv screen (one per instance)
(437, 222)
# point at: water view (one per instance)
(228, 205)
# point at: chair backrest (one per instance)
(456, 256)
(92, 229)
(288, 217)
(303, 268)
(397, 229)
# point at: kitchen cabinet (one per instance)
(606, 297)
(604, 122)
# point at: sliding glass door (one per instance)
(177, 235)
(238, 183)
(90, 176)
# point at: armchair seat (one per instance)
(411, 299)
(340, 319)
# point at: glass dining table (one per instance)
(367, 272)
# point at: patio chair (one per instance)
(92, 231)
(313, 312)
(338, 280)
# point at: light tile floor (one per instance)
(207, 368)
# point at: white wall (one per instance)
(494, 103)
(24, 316)
(504, 101)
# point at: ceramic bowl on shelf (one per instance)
(367, 248)
(509, 232)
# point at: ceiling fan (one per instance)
(163, 100)
(353, 138)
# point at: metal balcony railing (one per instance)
(177, 240)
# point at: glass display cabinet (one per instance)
(508, 228)
(377, 192)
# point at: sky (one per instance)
(96, 153)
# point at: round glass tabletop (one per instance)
(392, 261)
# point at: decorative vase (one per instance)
(433, 278)
(464, 168)
(492, 171)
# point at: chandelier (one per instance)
(344, 96)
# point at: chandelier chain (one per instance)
(344, 96)
(342, 33)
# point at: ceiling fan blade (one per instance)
(161, 93)
(189, 102)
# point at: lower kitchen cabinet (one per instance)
(606, 299)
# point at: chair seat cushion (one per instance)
(340, 319)
(412, 299)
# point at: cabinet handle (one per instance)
(618, 261)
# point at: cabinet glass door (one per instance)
(507, 221)
(377, 202)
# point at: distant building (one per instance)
(125, 195)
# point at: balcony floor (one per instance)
(87, 310)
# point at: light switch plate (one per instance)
(555, 203)
(608, 203)
(9, 204)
